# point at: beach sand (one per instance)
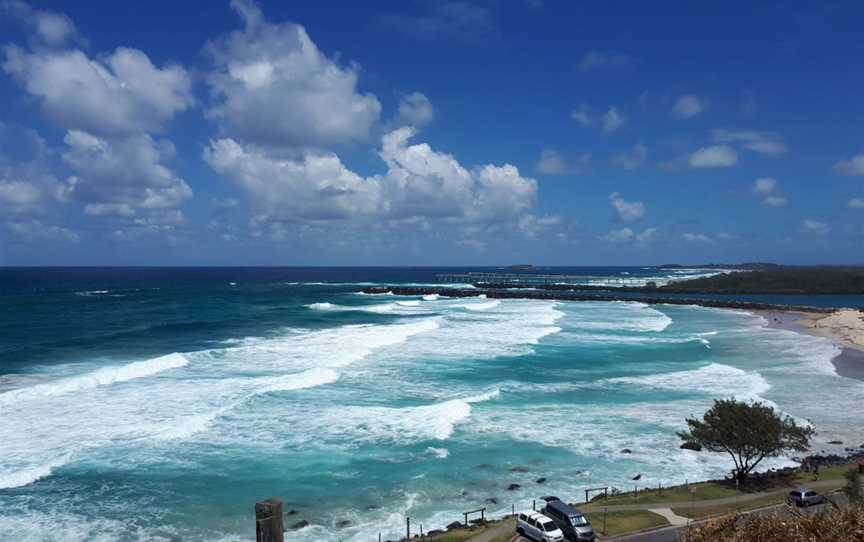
(844, 327)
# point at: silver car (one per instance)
(804, 497)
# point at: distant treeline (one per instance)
(777, 280)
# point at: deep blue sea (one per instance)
(160, 404)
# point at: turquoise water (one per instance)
(147, 405)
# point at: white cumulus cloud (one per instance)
(627, 210)
(123, 177)
(853, 166)
(814, 228)
(688, 106)
(121, 93)
(714, 156)
(856, 203)
(551, 163)
(582, 114)
(768, 143)
(272, 85)
(50, 27)
(764, 186)
(612, 120)
(419, 182)
(415, 109)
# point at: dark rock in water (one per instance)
(454, 525)
(695, 446)
(342, 523)
(835, 442)
(513, 487)
(540, 480)
(637, 477)
(291, 512)
(373, 507)
(626, 451)
(299, 525)
(519, 469)
(484, 466)
(464, 492)
(492, 500)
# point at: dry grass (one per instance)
(831, 526)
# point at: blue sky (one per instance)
(430, 133)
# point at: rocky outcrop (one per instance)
(695, 446)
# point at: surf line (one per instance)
(572, 296)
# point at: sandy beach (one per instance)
(844, 327)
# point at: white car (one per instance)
(538, 527)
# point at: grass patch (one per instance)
(705, 491)
(701, 491)
(625, 522)
(698, 512)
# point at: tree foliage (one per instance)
(780, 280)
(748, 432)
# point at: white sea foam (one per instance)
(401, 307)
(27, 476)
(431, 297)
(479, 306)
(614, 339)
(714, 379)
(440, 453)
(620, 316)
(100, 377)
(321, 306)
(435, 421)
(40, 435)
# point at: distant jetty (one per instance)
(554, 295)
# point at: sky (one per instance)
(430, 133)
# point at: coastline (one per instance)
(838, 327)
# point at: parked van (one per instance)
(536, 526)
(571, 521)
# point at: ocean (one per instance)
(161, 404)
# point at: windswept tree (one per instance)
(748, 432)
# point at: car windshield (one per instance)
(549, 526)
(578, 521)
(794, 494)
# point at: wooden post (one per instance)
(407, 528)
(268, 521)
